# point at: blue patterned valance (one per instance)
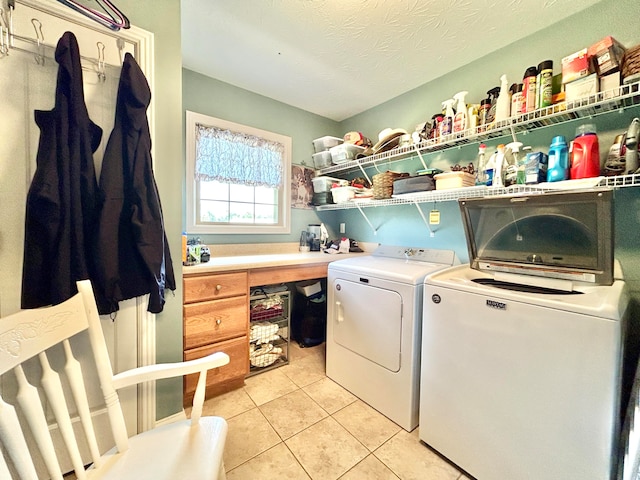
(234, 157)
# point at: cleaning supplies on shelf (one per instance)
(558, 168)
(481, 174)
(499, 168)
(545, 84)
(446, 127)
(535, 168)
(503, 102)
(489, 169)
(491, 114)
(516, 99)
(513, 163)
(460, 123)
(584, 153)
(631, 146)
(529, 89)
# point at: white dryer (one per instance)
(522, 373)
(374, 315)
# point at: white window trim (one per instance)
(192, 226)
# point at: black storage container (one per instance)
(309, 317)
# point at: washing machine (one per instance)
(522, 349)
(374, 316)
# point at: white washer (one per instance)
(374, 315)
(520, 385)
(522, 350)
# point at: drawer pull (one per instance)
(218, 287)
(218, 321)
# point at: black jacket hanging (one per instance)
(61, 202)
(132, 250)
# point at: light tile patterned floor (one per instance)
(295, 423)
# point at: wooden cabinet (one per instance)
(216, 318)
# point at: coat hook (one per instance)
(120, 44)
(101, 64)
(37, 26)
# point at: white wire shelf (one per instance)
(483, 191)
(591, 106)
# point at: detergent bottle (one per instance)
(499, 168)
(489, 169)
(460, 123)
(558, 168)
(585, 153)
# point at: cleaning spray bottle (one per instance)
(499, 167)
(503, 104)
(514, 164)
(489, 169)
(481, 165)
(460, 122)
(446, 127)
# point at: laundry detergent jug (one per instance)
(558, 168)
(585, 153)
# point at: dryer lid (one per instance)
(566, 235)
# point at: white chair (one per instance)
(188, 449)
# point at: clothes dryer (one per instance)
(374, 316)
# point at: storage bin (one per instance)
(343, 194)
(321, 159)
(448, 180)
(322, 198)
(344, 152)
(325, 143)
(324, 184)
(421, 183)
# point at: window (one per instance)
(238, 178)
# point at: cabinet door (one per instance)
(211, 287)
(235, 370)
(209, 322)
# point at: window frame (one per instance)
(284, 197)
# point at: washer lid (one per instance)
(567, 235)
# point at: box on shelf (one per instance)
(582, 88)
(607, 55)
(343, 194)
(321, 159)
(325, 143)
(324, 184)
(576, 65)
(309, 288)
(445, 181)
(344, 152)
(610, 85)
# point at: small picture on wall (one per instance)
(301, 187)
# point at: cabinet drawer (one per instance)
(237, 368)
(214, 321)
(210, 287)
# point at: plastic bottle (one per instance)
(483, 113)
(516, 99)
(545, 87)
(472, 118)
(434, 133)
(529, 90)
(489, 169)
(460, 123)
(585, 153)
(503, 102)
(513, 166)
(446, 127)
(499, 167)
(481, 165)
(491, 114)
(558, 160)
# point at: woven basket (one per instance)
(383, 184)
(631, 62)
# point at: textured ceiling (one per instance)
(337, 58)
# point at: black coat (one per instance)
(61, 202)
(132, 249)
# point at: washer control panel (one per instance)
(416, 254)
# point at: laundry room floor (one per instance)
(294, 422)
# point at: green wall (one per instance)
(162, 17)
